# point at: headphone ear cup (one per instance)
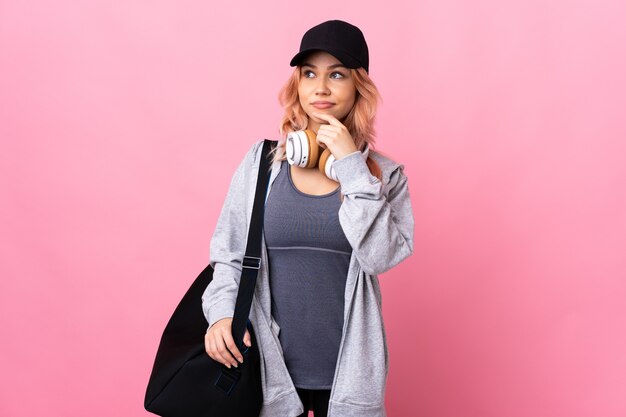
(314, 149)
(302, 149)
(326, 164)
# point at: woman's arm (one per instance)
(378, 227)
(228, 244)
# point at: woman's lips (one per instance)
(322, 104)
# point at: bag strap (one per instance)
(252, 259)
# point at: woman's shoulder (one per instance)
(250, 160)
(254, 152)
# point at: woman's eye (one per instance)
(334, 75)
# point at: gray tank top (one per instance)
(309, 257)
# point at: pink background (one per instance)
(122, 121)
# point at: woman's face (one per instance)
(326, 86)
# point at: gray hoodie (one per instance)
(377, 219)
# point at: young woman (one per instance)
(328, 233)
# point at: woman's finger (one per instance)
(328, 130)
(213, 349)
(207, 346)
(223, 354)
(232, 347)
(247, 339)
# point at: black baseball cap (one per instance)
(340, 39)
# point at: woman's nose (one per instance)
(322, 87)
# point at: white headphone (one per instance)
(303, 151)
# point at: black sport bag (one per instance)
(185, 381)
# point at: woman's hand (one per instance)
(219, 343)
(335, 136)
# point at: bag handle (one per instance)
(252, 259)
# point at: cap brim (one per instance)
(345, 59)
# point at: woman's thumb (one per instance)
(246, 338)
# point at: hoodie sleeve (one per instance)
(378, 227)
(228, 245)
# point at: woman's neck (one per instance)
(313, 125)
